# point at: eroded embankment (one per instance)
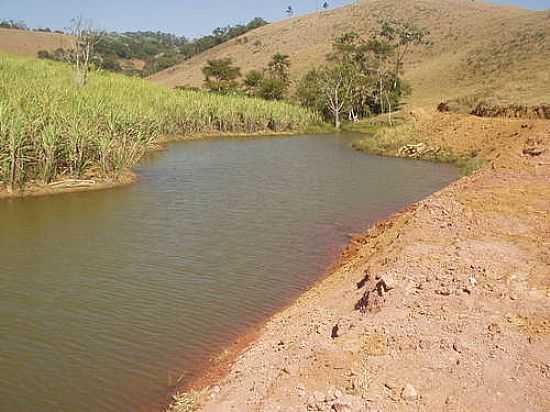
(456, 314)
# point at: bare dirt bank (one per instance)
(457, 314)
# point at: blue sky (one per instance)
(186, 17)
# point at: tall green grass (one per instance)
(49, 128)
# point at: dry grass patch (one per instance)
(476, 47)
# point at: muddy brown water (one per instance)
(108, 297)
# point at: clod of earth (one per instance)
(417, 150)
(334, 332)
(409, 393)
(533, 151)
(374, 297)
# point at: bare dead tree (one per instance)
(336, 85)
(86, 37)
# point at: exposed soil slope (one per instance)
(478, 48)
(29, 43)
(458, 315)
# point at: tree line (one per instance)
(271, 83)
(157, 50)
(362, 76)
(20, 25)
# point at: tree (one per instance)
(252, 82)
(401, 36)
(278, 67)
(336, 86)
(308, 92)
(353, 55)
(375, 65)
(289, 11)
(86, 37)
(11, 24)
(384, 84)
(256, 23)
(360, 79)
(273, 82)
(221, 75)
(272, 89)
(43, 54)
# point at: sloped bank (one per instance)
(454, 310)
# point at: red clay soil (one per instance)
(457, 313)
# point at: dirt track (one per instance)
(465, 322)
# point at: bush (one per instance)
(44, 54)
(272, 89)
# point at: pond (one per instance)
(108, 297)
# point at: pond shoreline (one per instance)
(218, 366)
(127, 177)
(449, 291)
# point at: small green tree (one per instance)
(308, 92)
(252, 82)
(275, 84)
(221, 75)
(272, 89)
(279, 66)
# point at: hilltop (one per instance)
(141, 53)
(478, 48)
(25, 43)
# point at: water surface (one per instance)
(107, 297)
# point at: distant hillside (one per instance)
(477, 48)
(26, 43)
(136, 53)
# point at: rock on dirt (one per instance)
(409, 393)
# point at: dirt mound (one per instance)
(488, 108)
(514, 111)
